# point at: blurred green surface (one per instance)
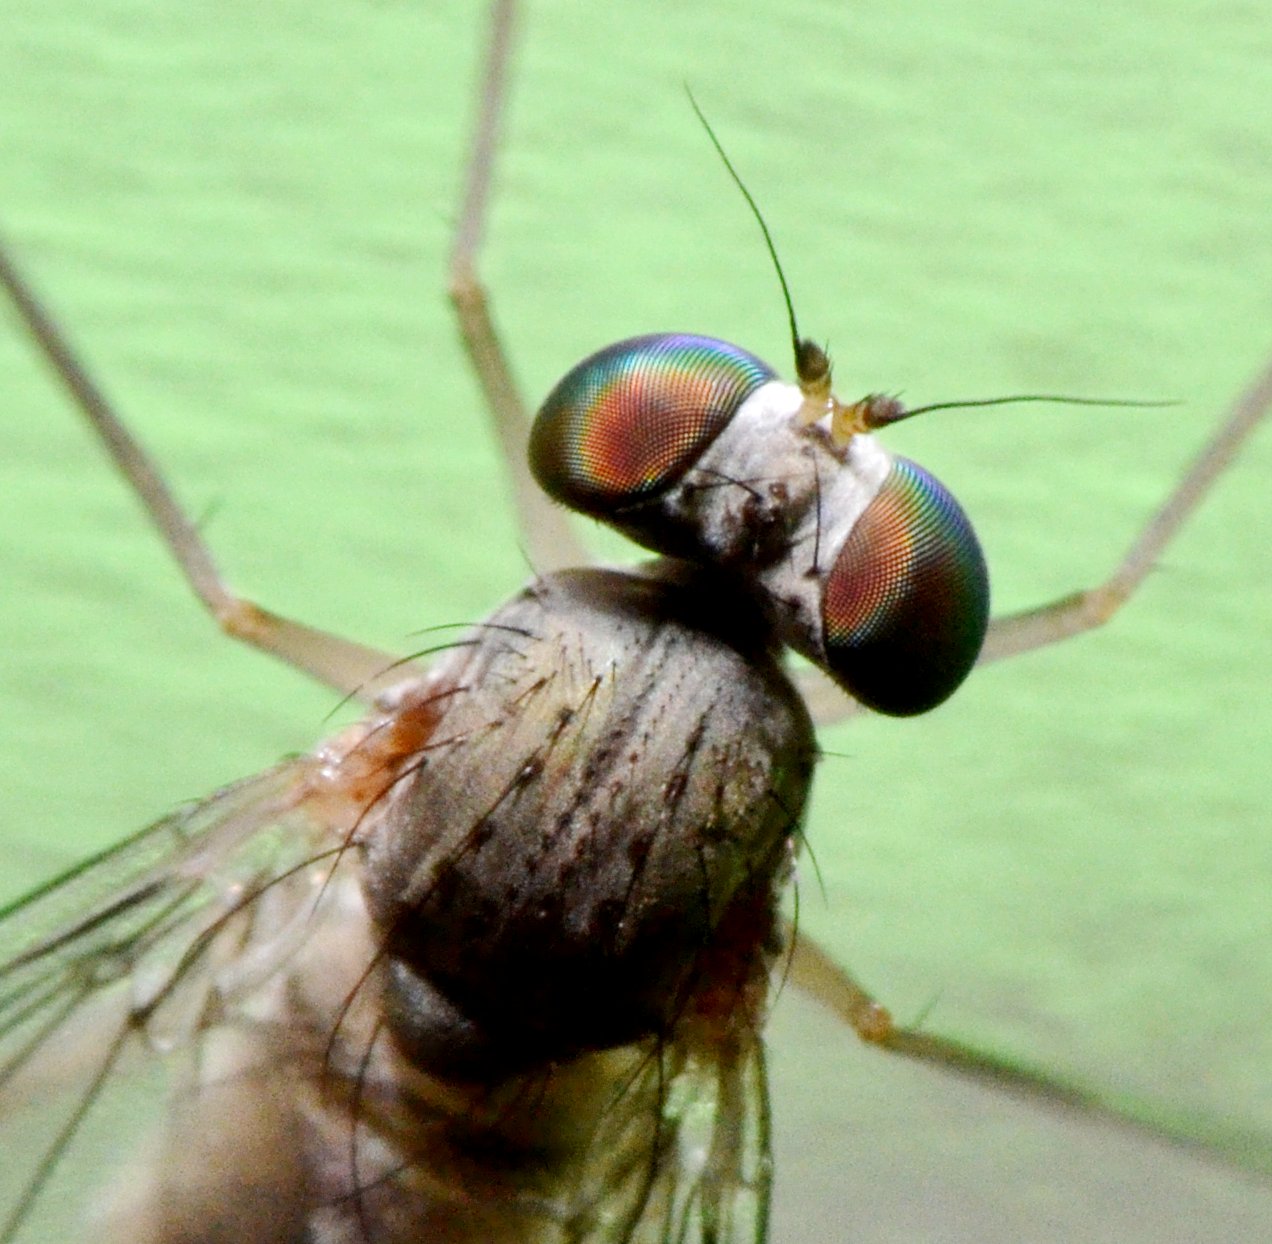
(242, 211)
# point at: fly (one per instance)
(494, 963)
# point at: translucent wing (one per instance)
(683, 1154)
(131, 949)
(726, 1146)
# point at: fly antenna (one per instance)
(881, 410)
(812, 363)
(1056, 399)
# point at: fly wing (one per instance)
(727, 1170)
(130, 949)
(683, 1155)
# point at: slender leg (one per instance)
(1015, 633)
(348, 667)
(1083, 611)
(817, 974)
(549, 542)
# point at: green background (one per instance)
(241, 211)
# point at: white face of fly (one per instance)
(768, 472)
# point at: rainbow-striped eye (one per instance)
(628, 423)
(906, 603)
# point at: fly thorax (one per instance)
(619, 760)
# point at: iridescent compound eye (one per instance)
(631, 420)
(906, 604)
